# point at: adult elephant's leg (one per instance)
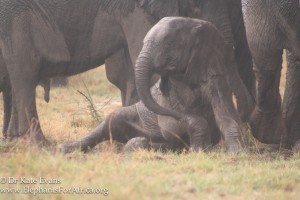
(228, 121)
(245, 102)
(25, 106)
(266, 120)
(117, 126)
(7, 101)
(242, 52)
(230, 24)
(135, 26)
(291, 102)
(12, 130)
(245, 66)
(6, 94)
(22, 63)
(120, 72)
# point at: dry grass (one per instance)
(140, 175)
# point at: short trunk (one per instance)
(143, 75)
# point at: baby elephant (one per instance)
(190, 105)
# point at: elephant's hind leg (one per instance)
(22, 63)
(120, 72)
(117, 126)
(24, 120)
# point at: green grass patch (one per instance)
(139, 175)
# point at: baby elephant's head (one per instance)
(183, 47)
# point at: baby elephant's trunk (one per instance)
(143, 74)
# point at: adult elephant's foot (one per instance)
(35, 135)
(136, 143)
(267, 127)
(39, 139)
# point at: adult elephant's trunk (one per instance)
(143, 73)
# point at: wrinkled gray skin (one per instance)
(42, 39)
(192, 99)
(272, 26)
(197, 58)
(5, 88)
(227, 17)
(141, 128)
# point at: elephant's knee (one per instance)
(119, 116)
(198, 124)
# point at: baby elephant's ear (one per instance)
(196, 71)
(206, 55)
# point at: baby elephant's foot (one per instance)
(136, 143)
(68, 147)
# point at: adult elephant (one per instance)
(227, 16)
(272, 26)
(42, 39)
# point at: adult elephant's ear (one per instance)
(206, 55)
(47, 38)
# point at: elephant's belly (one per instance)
(170, 128)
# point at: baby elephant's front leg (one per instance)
(199, 133)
